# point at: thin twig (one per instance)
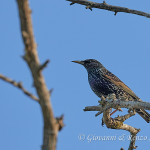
(97, 114)
(18, 85)
(41, 67)
(125, 117)
(108, 7)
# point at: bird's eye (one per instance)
(87, 61)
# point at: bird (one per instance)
(103, 83)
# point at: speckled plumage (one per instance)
(103, 82)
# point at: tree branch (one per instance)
(118, 122)
(51, 124)
(132, 142)
(20, 86)
(119, 104)
(104, 5)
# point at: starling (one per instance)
(103, 83)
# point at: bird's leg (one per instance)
(113, 112)
(116, 111)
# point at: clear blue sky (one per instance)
(64, 33)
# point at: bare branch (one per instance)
(125, 117)
(20, 86)
(118, 122)
(132, 142)
(108, 7)
(119, 104)
(31, 57)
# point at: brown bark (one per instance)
(51, 124)
(20, 86)
(104, 5)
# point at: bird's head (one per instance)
(90, 64)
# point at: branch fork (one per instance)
(105, 106)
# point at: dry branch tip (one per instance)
(115, 13)
(18, 85)
(97, 114)
(51, 91)
(72, 3)
(41, 67)
(108, 7)
(104, 3)
(89, 7)
(60, 122)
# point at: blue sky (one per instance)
(64, 33)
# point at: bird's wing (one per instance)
(115, 80)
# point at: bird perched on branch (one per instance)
(103, 83)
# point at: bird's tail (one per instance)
(144, 114)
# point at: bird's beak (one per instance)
(79, 62)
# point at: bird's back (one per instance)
(103, 82)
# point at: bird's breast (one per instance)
(99, 85)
